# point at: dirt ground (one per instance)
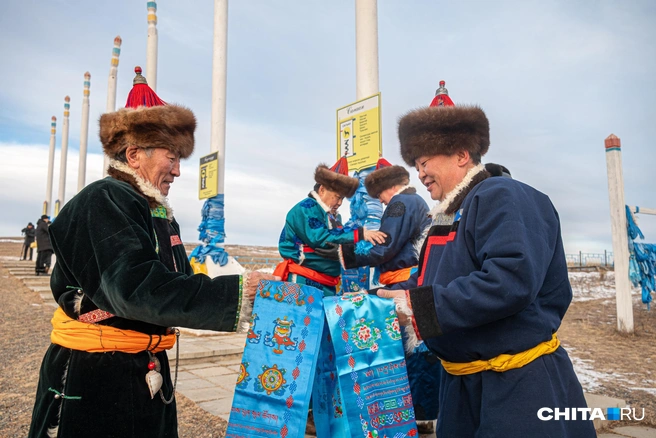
(622, 363)
(616, 365)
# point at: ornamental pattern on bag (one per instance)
(290, 293)
(392, 327)
(272, 380)
(356, 299)
(244, 376)
(365, 334)
(253, 337)
(296, 372)
(282, 332)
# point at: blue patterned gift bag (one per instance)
(272, 394)
(361, 387)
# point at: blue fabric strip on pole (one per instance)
(212, 232)
(642, 260)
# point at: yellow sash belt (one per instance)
(94, 338)
(503, 362)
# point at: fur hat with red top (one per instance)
(385, 176)
(147, 122)
(336, 178)
(443, 129)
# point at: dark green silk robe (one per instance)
(131, 263)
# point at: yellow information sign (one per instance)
(208, 183)
(358, 133)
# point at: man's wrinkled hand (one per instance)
(374, 237)
(254, 280)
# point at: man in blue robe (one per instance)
(492, 287)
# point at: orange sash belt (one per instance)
(94, 338)
(392, 277)
(288, 266)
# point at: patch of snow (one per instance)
(651, 391)
(588, 286)
(588, 377)
(11, 241)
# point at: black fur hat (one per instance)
(382, 179)
(443, 130)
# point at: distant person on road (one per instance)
(314, 223)
(30, 232)
(492, 286)
(122, 281)
(43, 246)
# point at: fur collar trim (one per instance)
(122, 172)
(314, 195)
(406, 190)
(455, 197)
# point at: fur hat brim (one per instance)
(384, 178)
(169, 126)
(336, 182)
(443, 130)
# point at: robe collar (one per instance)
(406, 190)
(122, 172)
(454, 198)
(314, 195)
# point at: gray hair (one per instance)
(123, 159)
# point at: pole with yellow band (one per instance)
(503, 362)
(197, 267)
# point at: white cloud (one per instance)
(554, 78)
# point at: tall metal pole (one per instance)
(366, 48)
(369, 210)
(219, 81)
(619, 231)
(51, 166)
(151, 47)
(111, 88)
(84, 134)
(64, 156)
(210, 257)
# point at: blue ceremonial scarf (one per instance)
(361, 386)
(349, 358)
(272, 395)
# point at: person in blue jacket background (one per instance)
(492, 287)
(404, 221)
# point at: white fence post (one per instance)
(619, 232)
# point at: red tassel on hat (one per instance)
(341, 166)
(382, 163)
(141, 94)
(442, 96)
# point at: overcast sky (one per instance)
(554, 77)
